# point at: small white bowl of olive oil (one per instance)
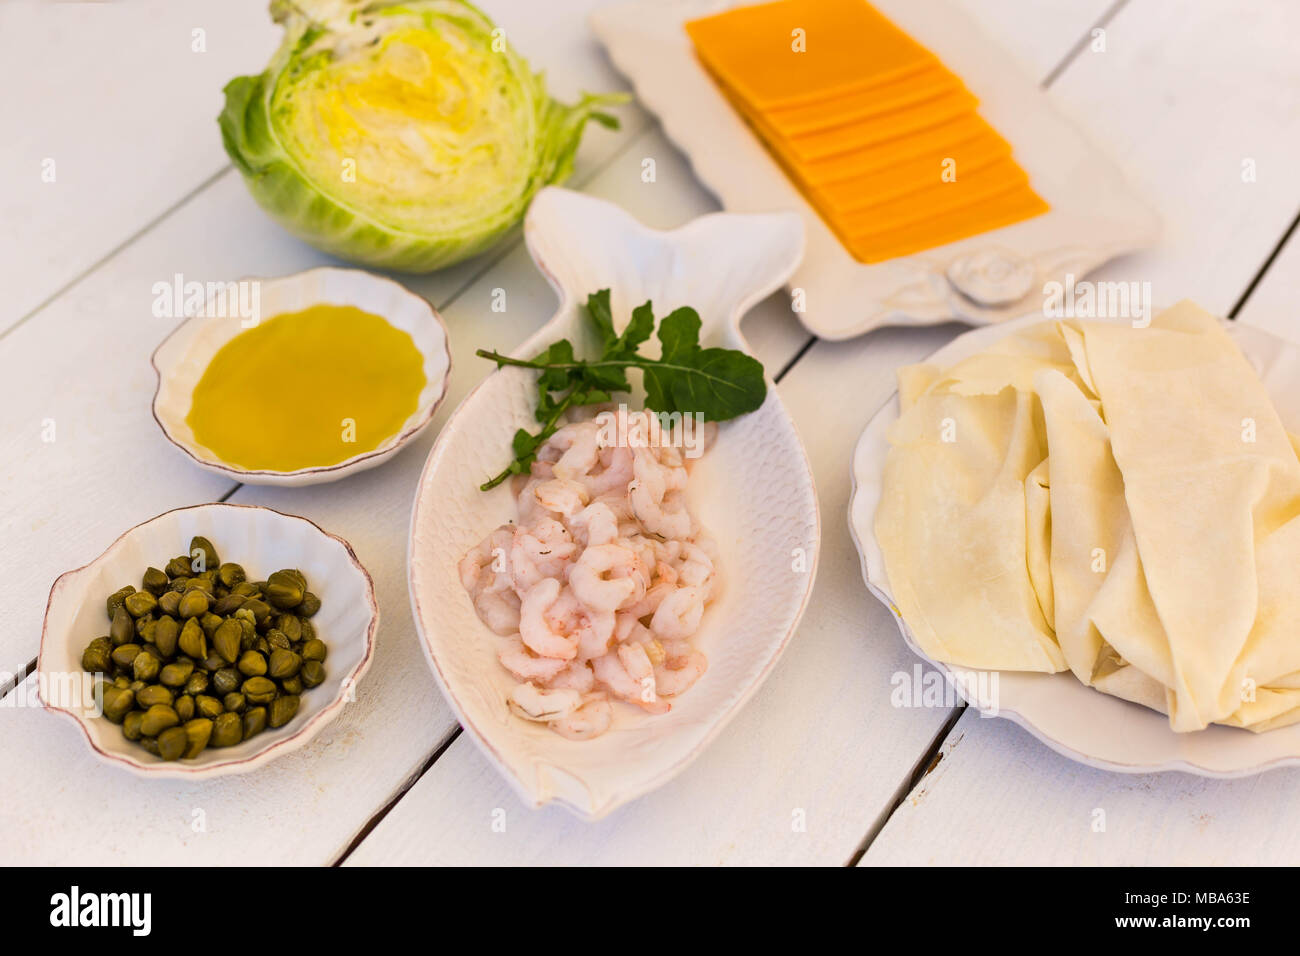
(301, 379)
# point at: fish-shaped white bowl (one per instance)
(183, 356)
(263, 541)
(752, 490)
(1077, 721)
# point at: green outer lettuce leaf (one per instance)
(280, 186)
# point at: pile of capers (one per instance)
(202, 657)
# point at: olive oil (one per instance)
(307, 389)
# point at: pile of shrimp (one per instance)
(600, 585)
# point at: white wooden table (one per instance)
(819, 768)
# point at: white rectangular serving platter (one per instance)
(991, 277)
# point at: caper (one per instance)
(308, 629)
(115, 599)
(258, 690)
(172, 743)
(198, 683)
(309, 606)
(284, 663)
(207, 706)
(227, 730)
(291, 685)
(252, 664)
(125, 655)
(254, 721)
(192, 640)
(260, 610)
(157, 719)
(176, 673)
(282, 710)
(262, 645)
(139, 603)
(122, 629)
(137, 685)
(169, 602)
(229, 604)
(131, 725)
(285, 589)
(97, 655)
(150, 744)
(225, 640)
(213, 662)
(145, 666)
(210, 622)
(193, 603)
(178, 583)
(165, 634)
(197, 734)
(146, 627)
(245, 589)
(289, 625)
(226, 680)
(314, 650)
(200, 584)
(234, 702)
(312, 673)
(154, 581)
(118, 702)
(202, 547)
(154, 694)
(184, 706)
(121, 682)
(231, 574)
(179, 567)
(277, 638)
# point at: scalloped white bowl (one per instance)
(183, 356)
(1077, 721)
(753, 491)
(262, 541)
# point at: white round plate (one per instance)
(1081, 723)
(262, 541)
(183, 356)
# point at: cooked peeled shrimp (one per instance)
(590, 720)
(540, 552)
(534, 628)
(576, 675)
(562, 495)
(587, 576)
(518, 660)
(533, 703)
(696, 567)
(595, 524)
(580, 449)
(484, 573)
(678, 615)
(615, 474)
(663, 512)
(682, 666)
(611, 670)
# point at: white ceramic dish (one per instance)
(753, 491)
(987, 278)
(263, 541)
(184, 355)
(1084, 724)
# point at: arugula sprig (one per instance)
(719, 384)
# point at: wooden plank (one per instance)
(999, 796)
(1186, 98)
(802, 772)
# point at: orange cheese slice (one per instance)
(795, 52)
(912, 174)
(933, 202)
(825, 114)
(943, 139)
(995, 212)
